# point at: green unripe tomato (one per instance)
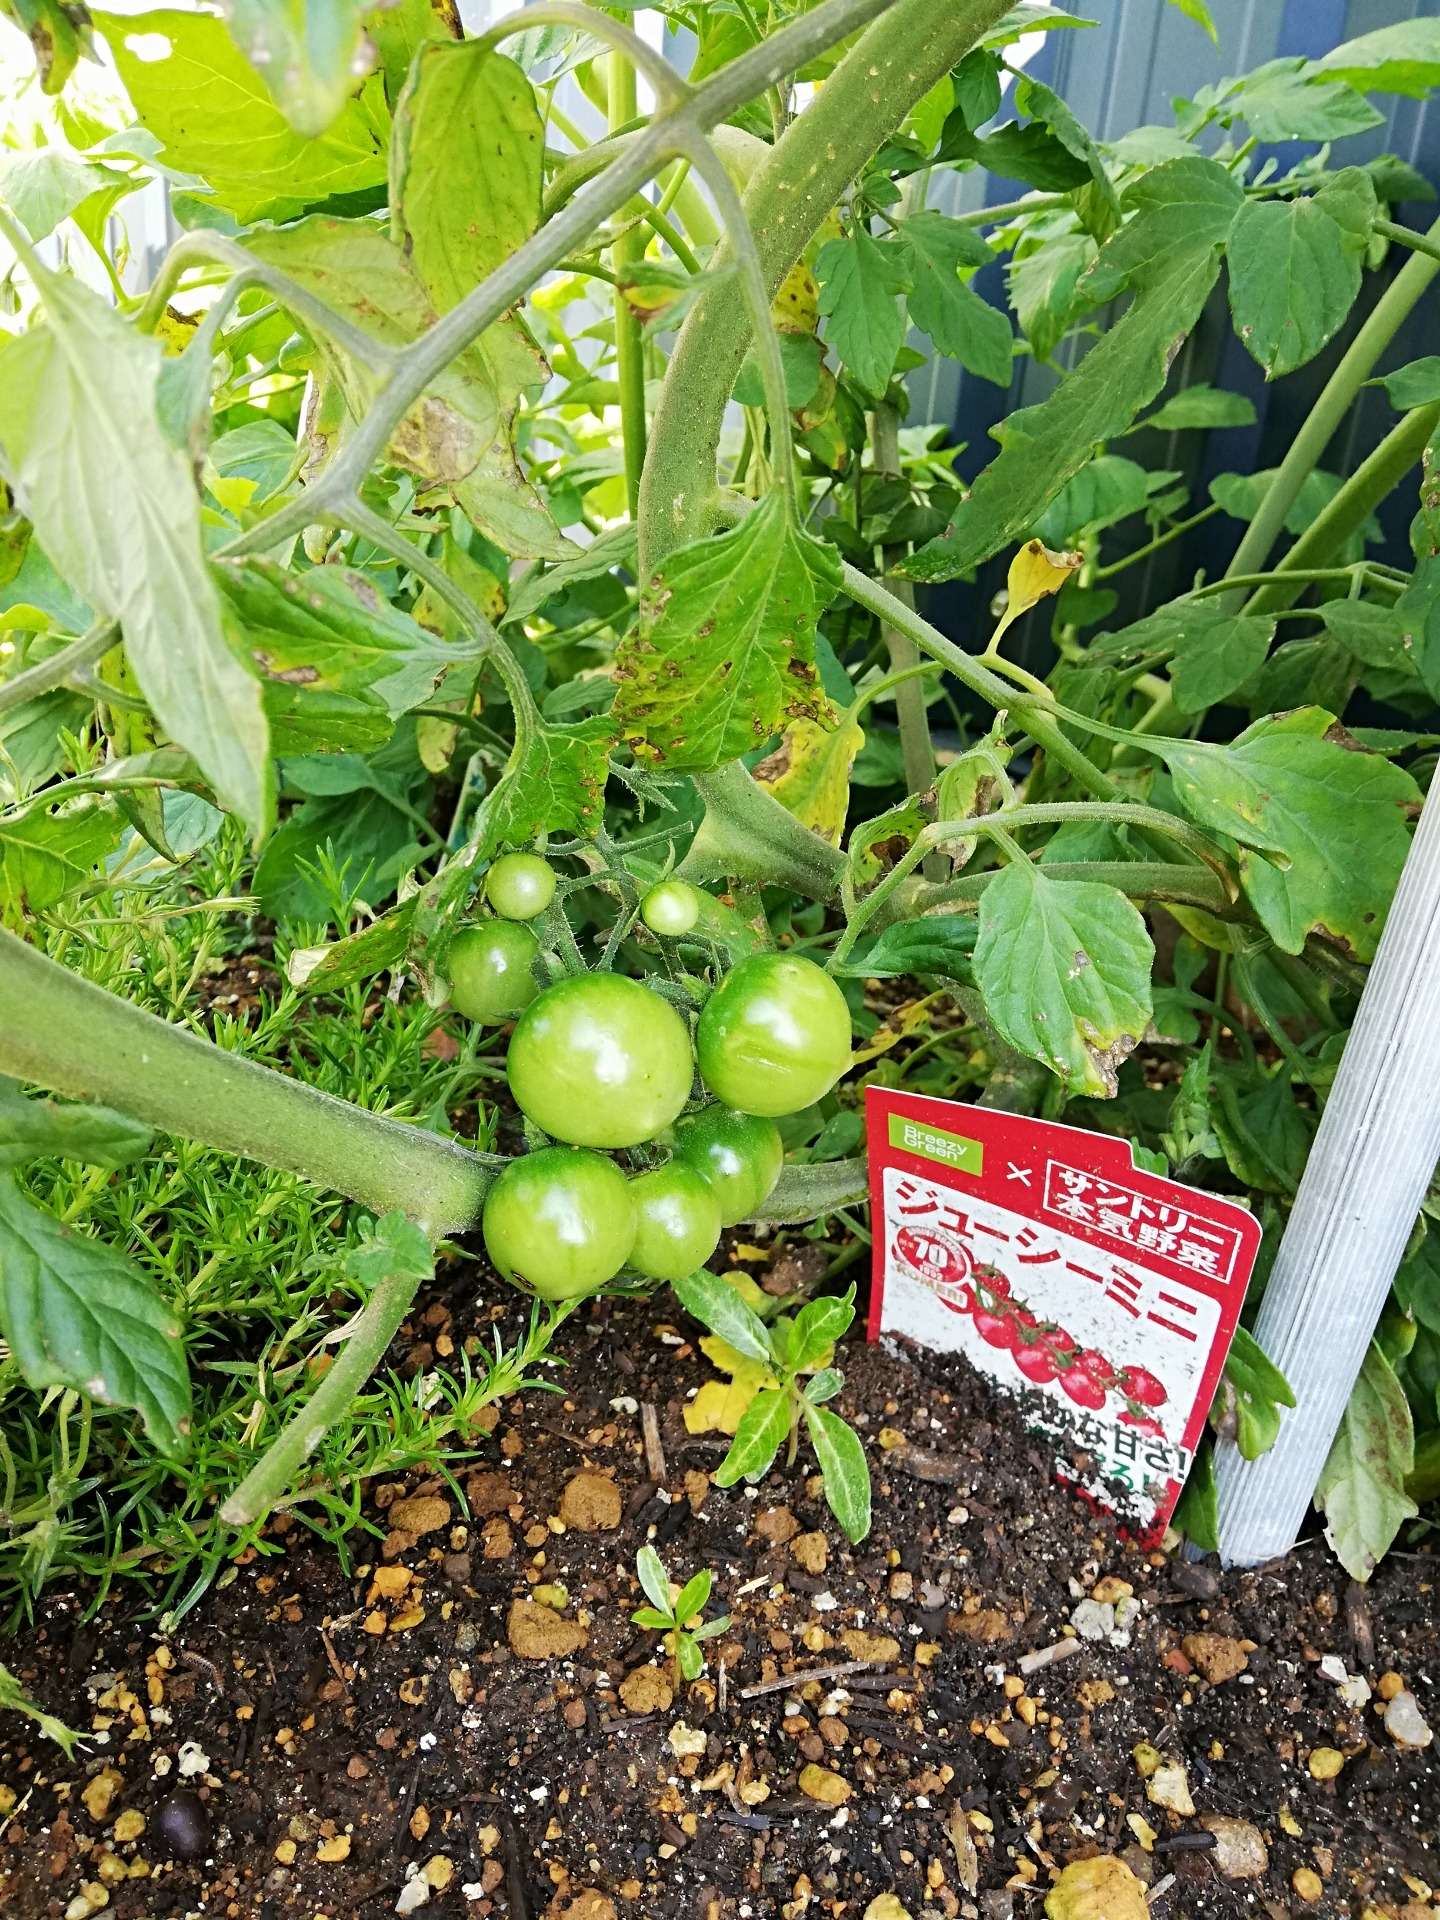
(774, 1036)
(492, 970)
(670, 909)
(739, 1155)
(677, 1221)
(520, 885)
(600, 1061)
(561, 1220)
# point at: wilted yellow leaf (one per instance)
(1099, 1889)
(1035, 573)
(809, 773)
(720, 1405)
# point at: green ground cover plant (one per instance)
(484, 577)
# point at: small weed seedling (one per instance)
(796, 1350)
(674, 1613)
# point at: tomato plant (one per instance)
(542, 611)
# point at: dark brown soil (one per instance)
(329, 1735)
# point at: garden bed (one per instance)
(333, 1733)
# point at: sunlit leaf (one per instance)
(1295, 269)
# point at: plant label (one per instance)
(1107, 1295)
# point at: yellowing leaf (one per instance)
(720, 1405)
(1035, 572)
(1100, 1889)
(796, 307)
(898, 1026)
(809, 773)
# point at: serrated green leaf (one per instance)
(762, 1431)
(468, 135)
(653, 1578)
(458, 435)
(1250, 1402)
(554, 783)
(1381, 637)
(1336, 817)
(1106, 489)
(860, 281)
(957, 319)
(1200, 406)
(1169, 253)
(1362, 1484)
(711, 1300)
(1414, 385)
(308, 53)
(1044, 284)
(1404, 59)
(1096, 202)
(724, 654)
(330, 629)
(614, 548)
(1285, 100)
(214, 116)
(1295, 269)
(118, 515)
(77, 1314)
(358, 956)
(44, 856)
(937, 943)
(30, 1129)
(1064, 967)
(1215, 657)
(844, 1469)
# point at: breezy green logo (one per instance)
(934, 1143)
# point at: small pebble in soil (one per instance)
(183, 1822)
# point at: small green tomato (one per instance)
(671, 909)
(520, 885)
(774, 1037)
(677, 1221)
(739, 1155)
(560, 1219)
(492, 970)
(601, 1061)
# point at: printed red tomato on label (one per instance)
(1142, 1423)
(1037, 1363)
(1100, 1370)
(1082, 1388)
(1138, 1383)
(996, 1329)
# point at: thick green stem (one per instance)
(747, 835)
(892, 66)
(629, 342)
(53, 672)
(916, 752)
(1138, 879)
(1425, 243)
(1320, 425)
(70, 1036)
(1343, 516)
(274, 1472)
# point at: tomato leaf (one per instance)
(1295, 269)
(329, 629)
(1216, 655)
(759, 1437)
(14, 1699)
(860, 281)
(214, 116)
(1249, 1403)
(1414, 385)
(1169, 254)
(1401, 59)
(555, 783)
(30, 1129)
(467, 131)
(1200, 406)
(119, 516)
(1291, 792)
(1362, 1484)
(725, 651)
(1064, 967)
(816, 1328)
(843, 1468)
(307, 52)
(712, 1301)
(77, 1313)
(957, 319)
(1199, 12)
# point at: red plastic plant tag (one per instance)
(1106, 1294)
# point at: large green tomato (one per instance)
(775, 1035)
(677, 1221)
(491, 968)
(738, 1154)
(564, 1221)
(520, 885)
(600, 1061)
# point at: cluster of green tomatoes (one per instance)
(603, 1064)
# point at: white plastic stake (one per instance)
(1374, 1154)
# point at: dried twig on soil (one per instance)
(794, 1681)
(940, 1469)
(1160, 1889)
(1047, 1656)
(654, 1452)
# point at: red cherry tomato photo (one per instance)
(1037, 1363)
(1100, 1370)
(1137, 1383)
(1142, 1422)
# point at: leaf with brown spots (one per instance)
(724, 655)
